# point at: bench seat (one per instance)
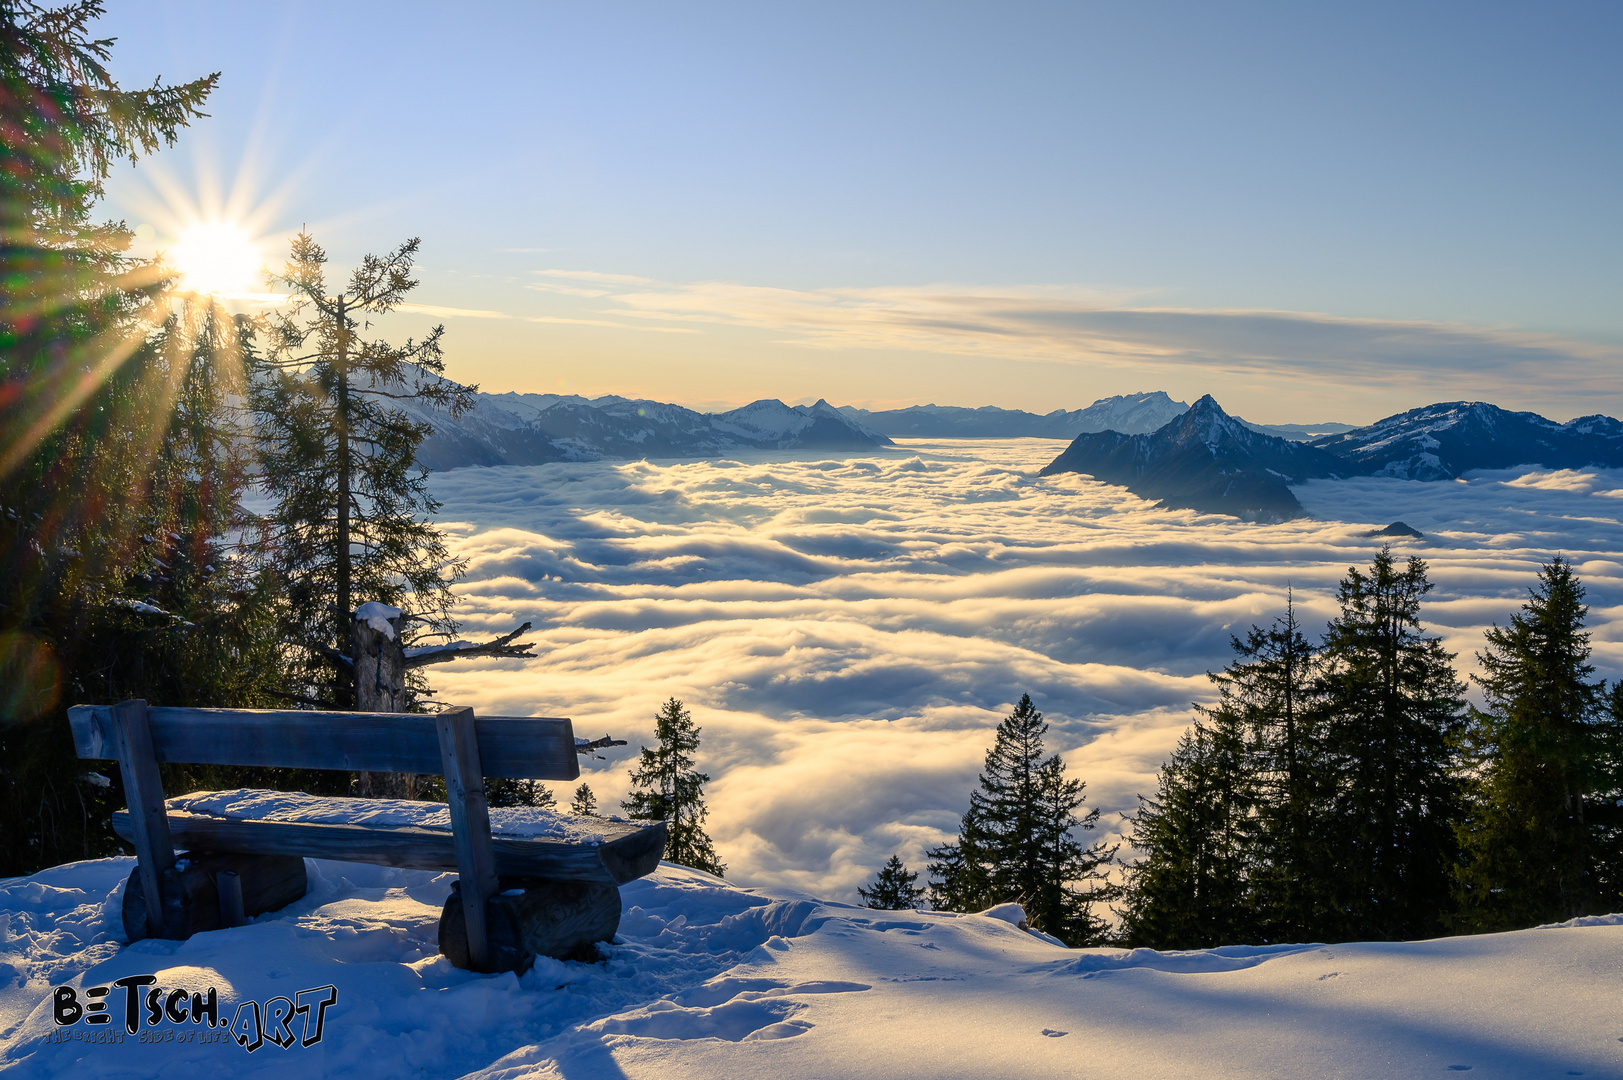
(529, 842)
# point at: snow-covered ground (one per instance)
(711, 981)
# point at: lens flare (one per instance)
(216, 257)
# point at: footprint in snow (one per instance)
(1459, 1068)
(1332, 975)
(1052, 1034)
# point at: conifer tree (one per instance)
(339, 460)
(667, 787)
(957, 872)
(1271, 689)
(1017, 840)
(893, 888)
(1535, 833)
(92, 496)
(506, 792)
(1393, 712)
(1192, 888)
(584, 802)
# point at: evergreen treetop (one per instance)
(339, 460)
(893, 888)
(1540, 769)
(666, 786)
(1017, 840)
(1394, 709)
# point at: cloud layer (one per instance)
(848, 632)
(1117, 329)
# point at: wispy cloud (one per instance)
(1088, 326)
(440, 312)
(1126, 331)
(594, 275)
(610, 323)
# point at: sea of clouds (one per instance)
(848, 631)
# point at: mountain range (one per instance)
(1207, 460)
(529, 429)
(1130, 414)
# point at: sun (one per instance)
(216, 257)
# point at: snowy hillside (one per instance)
(710, 981)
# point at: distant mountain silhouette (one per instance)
(529, 429)
(1129, 413)
(1204, 460)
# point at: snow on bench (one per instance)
(246, 849)
(529, 841)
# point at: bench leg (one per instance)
(191, 892)
(143, 790)
(561, 919)
(470, 826)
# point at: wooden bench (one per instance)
(532, 894)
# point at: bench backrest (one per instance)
(510, 747)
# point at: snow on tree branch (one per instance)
(456, 650)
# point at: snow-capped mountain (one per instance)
(1129, 413)
(528, 429)
(1439, 442)
(1203, 460)
(1210, 461)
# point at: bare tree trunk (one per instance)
(342, 553)
(380, 685)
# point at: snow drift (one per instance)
(709, 980)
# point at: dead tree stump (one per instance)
(529, 918)
(380, 685)
(191, 897)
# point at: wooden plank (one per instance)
(629, 851)
(143, 792)
(513, 747)
(470, 825)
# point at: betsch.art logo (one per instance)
(153, 1013)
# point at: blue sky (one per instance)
(1312, 212)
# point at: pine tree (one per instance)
(585, 803)
(957, 872)
(893, 889)
(1393, 712)
(504, 792)
(1537, 762)
(1192, 887)
(1017, 840)
(339, 461)
(665, 786)
(96, 371)
(1605, 811)
(1272, 691)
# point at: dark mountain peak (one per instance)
(1398, 528)
(1222, 436)
(1203, 459)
